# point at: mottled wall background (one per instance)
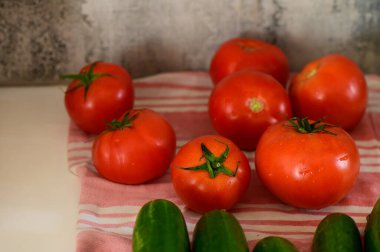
(41, 39)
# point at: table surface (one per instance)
(39, 195)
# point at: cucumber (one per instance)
(337, 232)
(274, 244)
(372, 230)
(160, 226)
(219, 231)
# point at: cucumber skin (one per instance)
(160, 227)
(274, 244)
(219, 231)
(372, 230)
(337, 232)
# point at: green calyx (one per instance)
(86, 78)
(125, 122)
(213, 165)
(303, 125)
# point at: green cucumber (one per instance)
(372, 230)
(160, 226)
(337, 232)
(274, 244)
(219, 231)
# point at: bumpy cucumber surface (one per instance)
(160, 227)
(274, 244)
(337, 232)
(372, 230)
(219, 231)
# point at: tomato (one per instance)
(239, 53)
(245, 103)
(99, 93)
(135, 149)
(306, 163)
(333, 87)
(210, 172)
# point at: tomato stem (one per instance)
(213, 165)
(86, 78)
(302, 125)
(126, 121)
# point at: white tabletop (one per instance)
(38, 194)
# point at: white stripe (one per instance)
(176, 101)
(373, 81)
(127, 231)
(370, 160)
(80, 153)
(106, 220)
(369, 151)
(368, 168)
(75, 145)
(368, 143)
(373, 109)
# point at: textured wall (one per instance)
(41, 39)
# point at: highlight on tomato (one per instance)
(100, 92)
(210, 172)
(239, 53)
(244, 104)
(306, 163)
(333, 87)
(136, 148)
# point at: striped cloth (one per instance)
(107, 210)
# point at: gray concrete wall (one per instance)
(41, 39)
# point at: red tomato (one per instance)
(210, 172)
(244, 104)
(99, 93)
(307, 170)
(333, 87)
(136, 148)
(240, 53)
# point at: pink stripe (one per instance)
(78, 158)
(105, 215)
(183, 97)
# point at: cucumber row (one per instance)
(160, 226)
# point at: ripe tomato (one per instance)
(210, 172)
(240, 53)
(306, 163)
(245, 103)
(136, 148)
(333, 87)
(99, 93)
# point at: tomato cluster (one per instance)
(304, 161)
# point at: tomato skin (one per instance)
(108, 97)
(333, 87)
(311, 170)
(239, 53)
(196, 189)
(244, 104)
(136, 154)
